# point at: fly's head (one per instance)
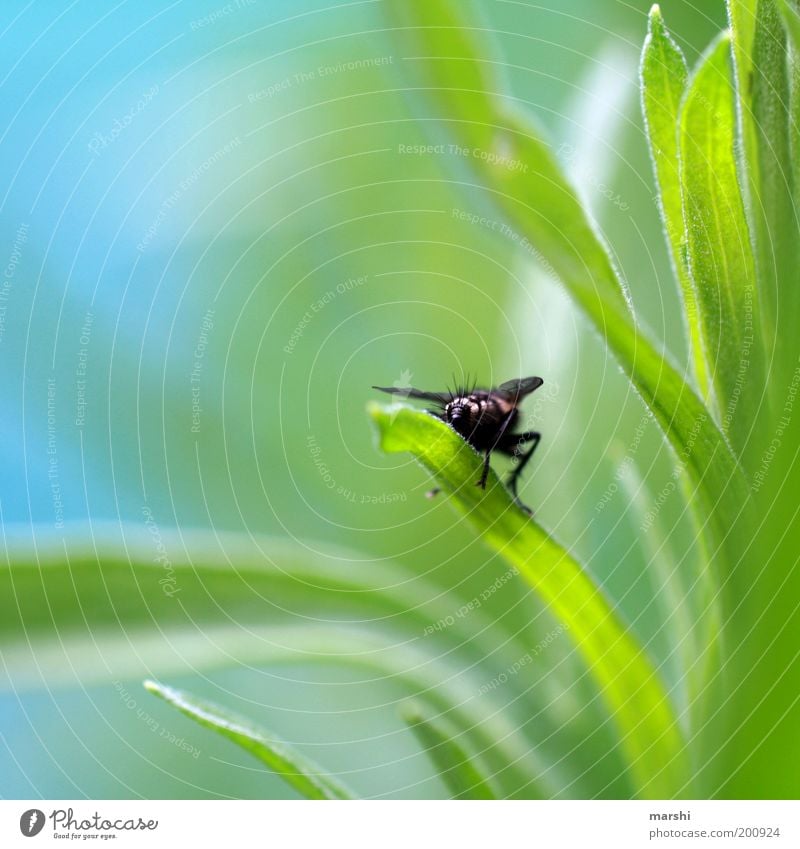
(463, 413)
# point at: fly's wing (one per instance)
(514, 390)
(407, 392)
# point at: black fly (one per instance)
(485, 418)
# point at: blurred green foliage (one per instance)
(227, 276)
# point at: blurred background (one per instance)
(218, 230)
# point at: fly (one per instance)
(485, 418)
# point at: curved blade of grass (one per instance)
(524, 179)
(87, 604)
(718, 240)
(90, 580)
(93, 577)
(625, 676)
(664, 75)
(456, 768)
(517, 166)
(93, 580)
(763, 88)
(299, 772)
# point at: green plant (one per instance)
(724, 141)
(733, 287)
(731, 227)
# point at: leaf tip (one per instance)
(411, 713)
(375, 410)
(160, 690)
(384, 416)
(168, 694)
(381, 417)
(657, 32)
(655, 20)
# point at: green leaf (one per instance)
(719, 252)
(522, 176)
(95, 580)
(624, 675)
(100, 603)
(306, 777)
(664, 76)
(519, 169)
(763, 89)
(456, 768)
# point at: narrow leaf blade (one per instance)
(664, 75)
(102, 603)
(623, 673)
(306, 777)
(456, 768)
(523, 178)
(764, 102)
(719, 251)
